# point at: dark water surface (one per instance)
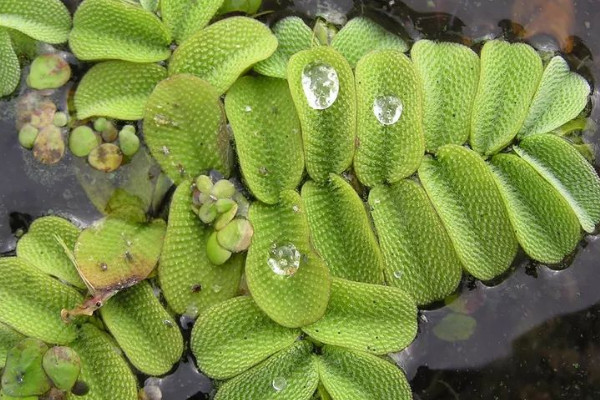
(534, 334)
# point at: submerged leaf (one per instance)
(23, 374)
(463, 192)
(117, 89)
(287, 279)
(45, 20)
(223, 51)
(10, 70)
(115, 29)
(418, 254)
(8, 339)
(234, 335)
(455, 327)
(186, 17)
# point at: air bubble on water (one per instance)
(284, 259)
(279, 383)
(387, 109)
(321, 85)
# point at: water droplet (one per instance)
(397, 274)
(296, 208)
(279, 383)
(248, 109)
(285, 259)
(166, 150)
(321, 85)
(103, 266)
(217, 288)
(168, 323)
(387, 109)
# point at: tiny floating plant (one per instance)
(304, 289)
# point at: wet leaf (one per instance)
(10, 70)
(117, 89)
(186, 17)
(328, 133)
(287, 279)
(290, 374)
(220, 53)
(114, 29)
(107, 157)
(234, 335)
(463, 192)
(449, 73)
(23, 374)
(45, 20)
(49, 145)
(41, 247)
(455, 327)
(387, 84)
(373, 318)
(62, 365)
(568, 172)
(354, 375)
(418, 254)
(143, 329)
(187, 138)
(189, 281)
(267, 135)
(510, 75)
(341, 231)
(8, 339)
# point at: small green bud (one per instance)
(208, 212)
(60, 119)
(100, 124)
(223, 189)
(27, 135)
(128, 140)
(204, 184)
(48, 71)
(225, 218)
(224, 205)
(82, 141)
(23, 373)
(107, 157)
(236, 236)
(62, 365)
(216, 254)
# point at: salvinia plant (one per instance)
(371, 179)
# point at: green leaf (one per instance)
(114, 29)
(223, 51)
(143, 329)
(293, 35)
(510, 74)
(32, 302)
(23, 374)
(291, 295)
(455, 327)
(293, 371)
(361, 36)
(8, 339)
(117, 89)
(45, 20)
(189, 137)
(103, 367)
(267, 135)
(354, 375)
(150, 5)
(463, 192)
(449, 74)
(328, 133)
(190, 283)
(234, 335)
(10, 70)
(186, 17)
(41, 248)
(373, 318)
(545, 225)
(418, 254)
(561, 96)
(341, 231)
(568, 172)
(390, 152)
(114, 254)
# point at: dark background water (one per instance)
(535, 334)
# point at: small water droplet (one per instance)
(387, 109)
(279, 383)
(248, 109)
(217, 288)
(168, 323)
(296, 208)
(321, 85)
(397, 274)
(103, 266)
(285, 259)
(166, 150)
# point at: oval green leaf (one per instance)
(10, 70)
(45, 20)
(186, 17)
(8, 339)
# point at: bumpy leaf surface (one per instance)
(115, 29)
(189, 281)
(234, 335)
(291, 300)
(103, 368)
(189, 137)
(117, 89)
(463, 192)
(223, 51)
(45, 20)
(8, 338)
(341, 231)
(186, 17)
(329, 133)
(449, 74)
(41, 248)
(267, 135)
(568, 171)
(373, 318)
(417, 252)
(361, 36)
(354, 375)
(510, 75)
(10, 70)
(561, 96)
(293, 370)
(293, 35)
(32, 302)
(388, 153)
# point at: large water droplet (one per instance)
(279, 383)
(284, 259)
(387, 109)
(321, 85)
